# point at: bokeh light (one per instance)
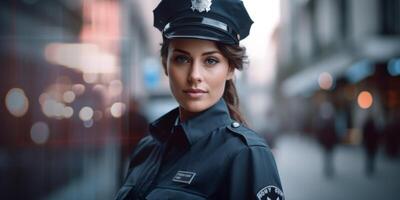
(68, 112)
(40, 133)
(16, 102)
(69, 96)
(78, 89)
(90, 77)
(117, 109)
(100, 89)
(365, 99)
(43, 97)
(394, 67)
(53, 108)
(88, 123)
(86, 113)
(325, 81)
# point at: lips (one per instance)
(194, 92)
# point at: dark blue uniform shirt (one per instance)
(207, 157)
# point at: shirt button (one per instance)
(235, 124)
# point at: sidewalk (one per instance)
(300, 164)
(99, 179)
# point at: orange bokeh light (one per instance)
(365, 99)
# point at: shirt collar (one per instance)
(194, 128)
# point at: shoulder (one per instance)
(142, 150)
(253, 163)
(144, 143)
(248, 137)
(147, 142)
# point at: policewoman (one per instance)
(202, 149)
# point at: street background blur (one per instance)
(80, 79)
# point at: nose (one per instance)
(195, 74)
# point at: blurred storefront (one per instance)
(339, 58)
(70, 69)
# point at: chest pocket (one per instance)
(163, 193)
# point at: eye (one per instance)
(212, 61)
(181, 59)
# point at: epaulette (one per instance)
(249, 137)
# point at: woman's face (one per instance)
(197, 72)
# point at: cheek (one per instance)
(176, 78)
(218, 83)
(219, 87)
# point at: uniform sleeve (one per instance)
(254, 175)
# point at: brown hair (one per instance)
(236, 56)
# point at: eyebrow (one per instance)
(205, 53)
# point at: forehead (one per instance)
(193, 45)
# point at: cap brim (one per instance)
(199, 32)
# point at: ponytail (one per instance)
(236, 56)
(232, 100)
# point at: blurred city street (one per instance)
(299, 160)
(80, 81)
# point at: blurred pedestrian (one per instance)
(202, 149)
(371, 144)
(272, 128)
(326, 135)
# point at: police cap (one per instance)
(225, 21)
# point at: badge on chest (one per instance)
(184, 177)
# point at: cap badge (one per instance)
(201, 5)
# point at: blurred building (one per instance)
(343, 48)
(69, 70)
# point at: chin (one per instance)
(195, 106)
